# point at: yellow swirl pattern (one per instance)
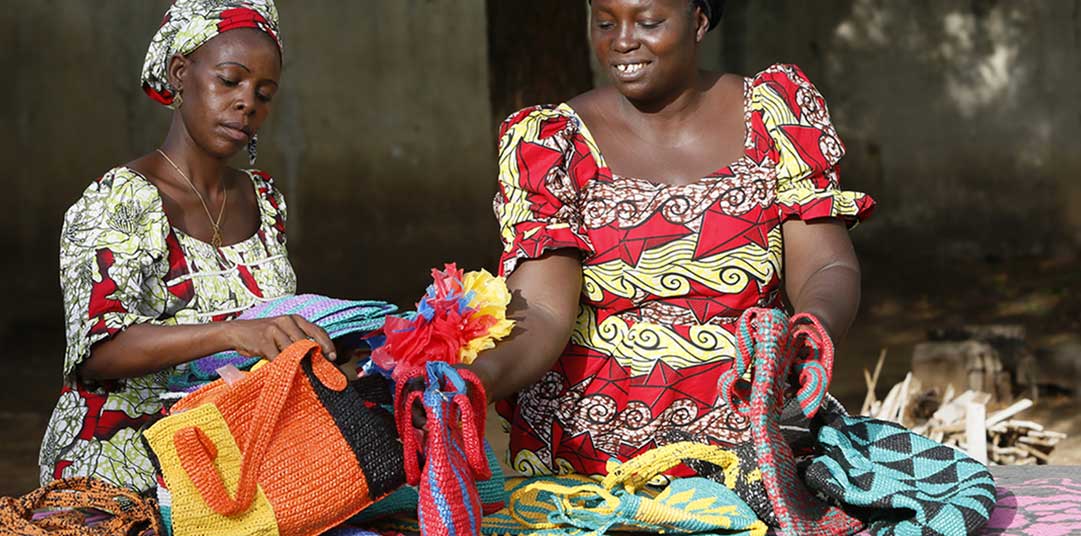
(639, 346)
(667, 271)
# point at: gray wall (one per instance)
(960, 116)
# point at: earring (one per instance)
(252, 147)
(178, 100)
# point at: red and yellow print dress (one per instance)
(667, 272)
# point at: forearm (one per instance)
(544, 306)
(538, 340)
(144, 348)
(831, 294)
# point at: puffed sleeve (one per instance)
(543, 163)
(113, 258)
(806, 148)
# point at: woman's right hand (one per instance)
(267, 337)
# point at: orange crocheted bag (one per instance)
(288, 449)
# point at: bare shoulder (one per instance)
(724, 85)
(595, 105)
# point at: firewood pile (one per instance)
(965, 421)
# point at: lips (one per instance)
(629, 71)
(236, 131)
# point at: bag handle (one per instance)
(80, 492)
(638, 471)
(758, 330)
(466, 393)
(632, 475)
(812, 353)
(197, 452)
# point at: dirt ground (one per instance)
(899, 306)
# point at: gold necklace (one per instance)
(215, 225)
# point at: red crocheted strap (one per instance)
(473, 438)
(411, 449)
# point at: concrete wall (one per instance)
(960, 116)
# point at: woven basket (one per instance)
(125, 511)
(289, 449)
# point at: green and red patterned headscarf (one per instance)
(189, 24)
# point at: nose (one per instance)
(626, 40)
(246, 103)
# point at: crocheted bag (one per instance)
(127, 512)
(575, 505)
(337, 317)
(772, 349)
(288, 449)
(903, 483)
(454, 459)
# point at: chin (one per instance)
(638, 91)
(223, 150)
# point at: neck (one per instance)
(204, 170)
(671, 110)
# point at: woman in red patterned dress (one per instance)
(639, 220)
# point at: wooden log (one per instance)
(976, 431)
(1026, 440)
(872, 381)
(1014, 409)
(1036, 453)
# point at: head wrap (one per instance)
(713, 9)
(189, 24)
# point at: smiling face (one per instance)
(228, 85)
(648, 47)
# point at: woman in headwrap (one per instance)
(639, 220)
(159, 251)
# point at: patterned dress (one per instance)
(122, 264)
(667, 271)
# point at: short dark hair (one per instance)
(714, 10)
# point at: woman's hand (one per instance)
(269, 336)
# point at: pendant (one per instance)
(215, 239)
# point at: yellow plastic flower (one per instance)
(490, 299)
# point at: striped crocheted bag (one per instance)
(781, 354)
(452, 452)
(288, 449)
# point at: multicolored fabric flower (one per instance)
(460, 315)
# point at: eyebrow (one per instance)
(242, 66)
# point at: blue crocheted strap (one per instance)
(444, 380)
